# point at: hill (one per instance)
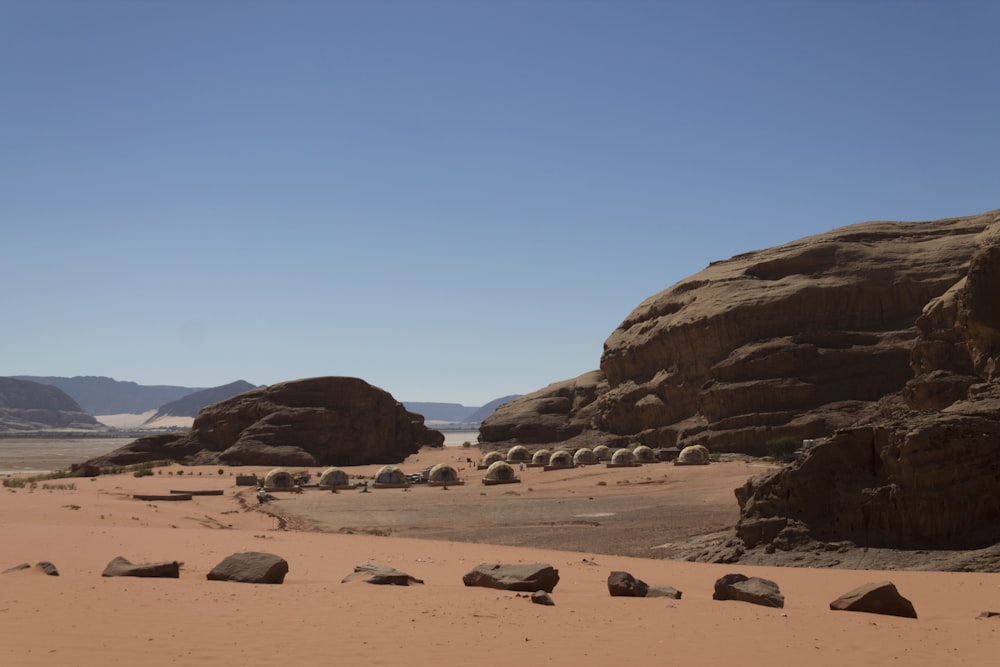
(106, 396)
(191, 405)
(28, 406)
(455, 412)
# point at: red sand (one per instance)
(83, 619)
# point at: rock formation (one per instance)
(32, 406)
(312, 422)
(925, 469)
(796, 341)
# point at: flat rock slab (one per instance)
(875, 598)
(251, 567)
(527, 578)
(381, 575)
(122, 567)
(664, 592)
(749, 589)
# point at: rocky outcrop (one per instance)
(32, 406)
(925, 469)
(192, 404)
(793, 341)
(311, 422)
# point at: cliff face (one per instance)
(31, 406)
(926, 469)
(797, 340)
(316, 421)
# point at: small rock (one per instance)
(748, 589)
(528, 577)
(121, 567)
(664, 592)
(542, 597)
(381, 575)
(251, 567)
(623, 584)
(48, 568)
(875, 598)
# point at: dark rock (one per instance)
(48, 568)
(381, 575)
(121, 567)
(527, 577)
(623, 584)
(542, 597)
(875, 598)
(311, 422)
(989, 614)
(252, 567)
(17, 568)
(664, 592)
(748, 589)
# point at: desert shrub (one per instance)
(467, 444)
(779, 448)
(146, 472)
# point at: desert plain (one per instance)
(586, 522)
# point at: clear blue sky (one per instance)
(453, 200)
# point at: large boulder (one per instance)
(793, 341)
(312, 422)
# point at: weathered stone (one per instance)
(664, 592)
(748, 589)
(875, 598)
(252, 567)
(623, 584)
(312, 422)
(542, 597)
(527, 577)
(121, 567)
(48, 568)
(17, 568)
(381, 575)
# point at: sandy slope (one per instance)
(80, 618)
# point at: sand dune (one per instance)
(80, 618)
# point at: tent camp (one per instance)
(500, 473)
(490, 459)
(560, 459)
(644, 454)
(602, 453)
(334, 478)
(443, 474)
(584, 457)
(623, 458)
(518, 454)
(540, 458)
(390, 477)
(695, 455)
(280, 479)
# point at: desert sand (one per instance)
(82, 618)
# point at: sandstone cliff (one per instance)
(310, 422)
(925, 470)
(797, 340)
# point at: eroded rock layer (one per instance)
(797, 340)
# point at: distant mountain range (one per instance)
(73, 402)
